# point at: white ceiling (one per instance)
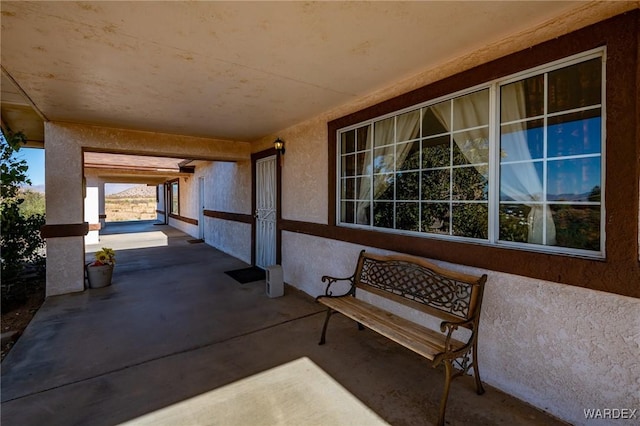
(232, 70)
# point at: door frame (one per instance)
(201, 202)
(254, 158)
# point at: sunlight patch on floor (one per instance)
(296, 393)
(128, 241)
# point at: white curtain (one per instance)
(407, 127)
(521, 182)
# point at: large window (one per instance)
(174, 196)
(515, 162)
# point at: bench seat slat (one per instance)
(419, 339)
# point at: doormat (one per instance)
(195, 241)
(247, 275)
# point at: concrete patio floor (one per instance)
(173, 328)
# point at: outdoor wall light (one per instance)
(278, 144)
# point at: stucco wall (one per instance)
(561, 348)
(227, 185)
(227, 188)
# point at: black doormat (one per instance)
(247, 275)
(195, 241)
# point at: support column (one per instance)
(101, 209)
(65, 213)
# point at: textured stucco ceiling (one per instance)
(233, 70)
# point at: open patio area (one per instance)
(174, 340)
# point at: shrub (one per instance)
(20, 241)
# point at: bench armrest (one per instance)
(330, 280)
(450, 326)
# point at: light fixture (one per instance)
(278, 144)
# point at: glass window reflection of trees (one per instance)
(426, 171)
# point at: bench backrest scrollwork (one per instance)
(422, 285)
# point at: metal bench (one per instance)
(453, 297)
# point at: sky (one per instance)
(35, 160)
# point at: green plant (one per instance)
(106, 256)
(20, 240)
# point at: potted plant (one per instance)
(99, 271)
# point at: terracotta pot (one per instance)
(99, 276)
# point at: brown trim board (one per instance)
(234, 217)
(620, 271)
(65, 230)
(183, 219)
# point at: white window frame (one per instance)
(494, 161)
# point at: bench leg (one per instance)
(448, 367)
(476, 372)
(324, 327)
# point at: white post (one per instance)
(64, 206)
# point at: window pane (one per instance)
(470, 220)
(347, 209)
(384, 132)
(408, 126)
(471, 147)
(408, 186)
(471, 110)
(435, 184)
(383, 214)
(347, 142)
(470, 183)
(514, 225)
(435, 218)
(522, 141)
(574, 134)
(435, 152)
(575, 86)
(348, 189)
(408, 156)
(408, 216)
(435, 117)
(383, 187)
(175, 198)
(364, 138)
(522, 99)
(577, 226)
(348, 165)
(363, 188)
(363, 213)
(383, 160)
(521, 181)
(574, 180)
(363, 164)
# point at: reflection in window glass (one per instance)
(522, 141)
(577, 226)
(175, 198)
(408, 216)
(574, 134)
(553, 200)
(575, 86)
(575, 179)
(427, 170)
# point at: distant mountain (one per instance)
(138, 191)
(34, 188)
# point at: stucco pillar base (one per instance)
(65, 265)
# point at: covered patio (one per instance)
(496, 138)
(174, 340)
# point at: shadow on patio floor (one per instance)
(173, 326)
